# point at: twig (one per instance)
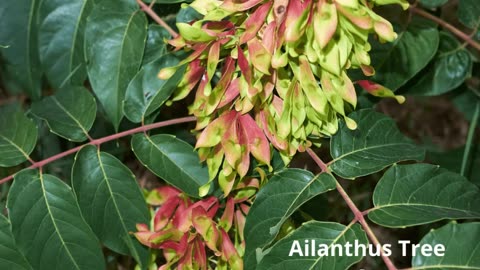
(470, 136)
(468, 39)
(361, 219)
(100, 141)
(359, 215)
(156, 18)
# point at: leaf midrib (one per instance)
(368, 148)
(54, 223)
(16, 146)
(85, 132)
(106, 180)
(120, 62)
(74, 40)
(423, 205)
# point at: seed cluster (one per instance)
(273, 72)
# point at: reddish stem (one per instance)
(468, 39)
(100, 141)
(359, 215)
(317, 160)
(361, 219)
(156, 18)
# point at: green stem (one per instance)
(470, 136)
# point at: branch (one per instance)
(357, 213)
(317, 160)
(103, 140)
(468, 39)
(156, 18)
(361, 219)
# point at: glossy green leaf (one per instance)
(284, 193)
(469, 13)
(47, 224)
(462, 248)
(60, 40)
(111, 201)
(155, 45)
(115, 40)
(174, 160)
(69, 113)
(323, 233)
(146, 92)
(397, 62)
(449, 69)
(416, 194)
(18, 136)
(10, 257)
(433, 3)
(18, 33)
(375, 144)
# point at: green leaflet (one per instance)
(397, 62)
(146, 92)
(18, 136)
(374, 145)
(61, 40)
(19, 35)
(409, 195)
(11, 258)
(173, 160)
(451, 66)
(155, 45)
(111, 201)
(469, 13)
(47, 224)
(284, 193)
(327, 233)
(462, 248)
(70, 113)
(114, 44)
